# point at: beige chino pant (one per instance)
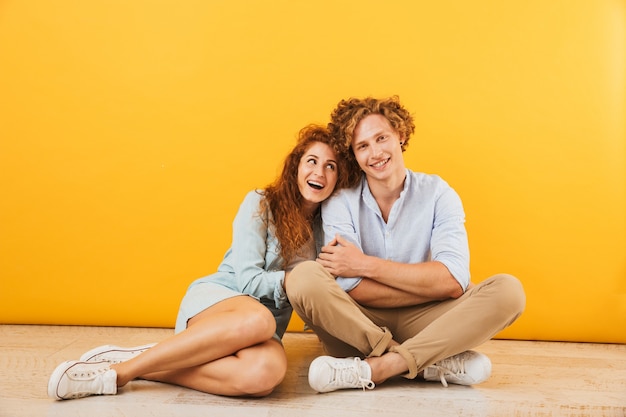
(426, 333)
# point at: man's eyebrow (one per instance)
(378, 133)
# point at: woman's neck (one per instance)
(309, 209)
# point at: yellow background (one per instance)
(131, 130)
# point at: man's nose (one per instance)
(376, 149)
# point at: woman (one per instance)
(228, 332)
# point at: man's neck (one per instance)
(386, 192)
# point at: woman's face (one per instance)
(317, 174)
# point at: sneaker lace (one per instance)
(453, 366)
(349, 374)
(88, 382)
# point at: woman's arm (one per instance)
(255, 257)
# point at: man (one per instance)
(390, 293)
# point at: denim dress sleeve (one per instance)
(254, 256)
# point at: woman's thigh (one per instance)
(237, 303)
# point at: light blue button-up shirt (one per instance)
(426, 223)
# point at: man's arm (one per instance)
(422, 282)
(386, 283)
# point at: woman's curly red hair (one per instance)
(282, 198)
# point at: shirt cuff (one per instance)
(348, 284)
(280, 295)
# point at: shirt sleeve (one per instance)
(251, 243)
(449, 243)
(338, 219)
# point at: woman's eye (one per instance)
(332, 167)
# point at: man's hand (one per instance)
(342, 258)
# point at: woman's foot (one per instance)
(75, 379)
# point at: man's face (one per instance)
(376, 146)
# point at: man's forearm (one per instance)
(399, 284)
(374, 294)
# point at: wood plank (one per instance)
(528, 379)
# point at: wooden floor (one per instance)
(528, 379)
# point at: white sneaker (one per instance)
(74, 379)
(466, 368)
(329, 374)
(113, 354)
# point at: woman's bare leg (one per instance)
(235, 333)
(253, 371)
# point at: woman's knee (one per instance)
(262, 323)
(249, 319)
(266, 368)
